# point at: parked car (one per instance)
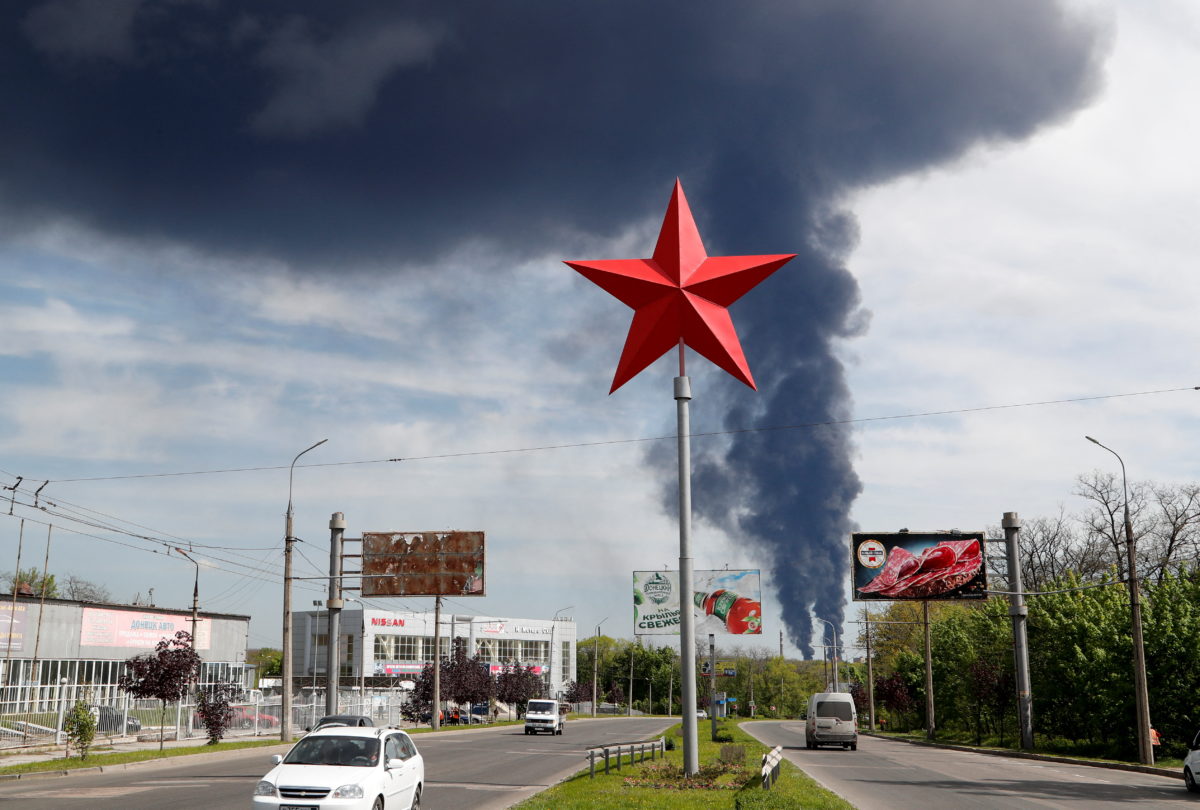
(245, 717)
(350, 767)
(1191, 765)
(701, 714)
(108, 719)
(352, 720)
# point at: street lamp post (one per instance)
(550, 657)
(285, 720)
(836, 682)
(195, 593)
(1140, 692)
(362, 652)
(596, 662)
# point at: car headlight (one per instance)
(347, 792)
(265, 788)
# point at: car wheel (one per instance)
(1190, 781)
(416, 803)
(853, 746)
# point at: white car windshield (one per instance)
(541, 706)
(355, 752)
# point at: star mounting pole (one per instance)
(680, 298)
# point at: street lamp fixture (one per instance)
(1140, 692)
(285, 720)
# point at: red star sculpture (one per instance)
(680, 296)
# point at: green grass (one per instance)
(792, 790)
(94, 760)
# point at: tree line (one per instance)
(1079, 631)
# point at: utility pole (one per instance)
(596, 662)
(435, 720)
(930, 724)
(712, 684)
(1018, 611)
(870, 675)
(337, 527)
(1141, 694)
(285, 720)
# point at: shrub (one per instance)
(215, 712)
(733, 755)
(80, 727)
(669, 744)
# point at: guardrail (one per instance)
(638, 749)
(770, 766)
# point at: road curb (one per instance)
(1117, 766)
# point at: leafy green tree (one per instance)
(80, 727)
(31, 581)
(267, 661)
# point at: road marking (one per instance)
(502, 788)
(86, 793)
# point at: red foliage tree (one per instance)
(164, 675)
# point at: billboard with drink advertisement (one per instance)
(724, 602)
(917, 566)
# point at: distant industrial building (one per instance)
(383, 647)
(54, 647)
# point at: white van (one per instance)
(832, 720)
(543, 715)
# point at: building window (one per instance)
(534, 652)
(566, 661)
(508, 649)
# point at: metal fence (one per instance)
(39, 722)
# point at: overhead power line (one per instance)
(671, 437)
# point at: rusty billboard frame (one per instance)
(437, 563)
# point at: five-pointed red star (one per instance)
(680, 296)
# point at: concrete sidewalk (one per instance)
(117, 745)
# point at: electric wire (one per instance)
(671, 437)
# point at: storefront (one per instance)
(383, 647)
(56, 645)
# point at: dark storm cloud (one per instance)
(343, 134)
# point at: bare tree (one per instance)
(1174, 540)
(83, 590)
(1104, 518)
(1050, 547)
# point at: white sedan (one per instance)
(347, 768)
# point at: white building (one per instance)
(383, 647)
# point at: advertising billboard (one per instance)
(422, 564)
(724, 602)
(917, 566)
(12, 628)
(128, 628)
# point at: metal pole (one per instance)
(687, 637)
(630, 711)
(337, 528)
(285, 720)
(1019, 612)
(712, 684)
(1140, 691)
(596, 662)
(930, 722)
(435, 721)
(870, 675)
(1141, 699)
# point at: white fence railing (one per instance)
(40, 723)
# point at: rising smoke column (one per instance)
(328, 138)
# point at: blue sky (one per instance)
(226, 234)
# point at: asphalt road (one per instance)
(892, 775)
(481, 769)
